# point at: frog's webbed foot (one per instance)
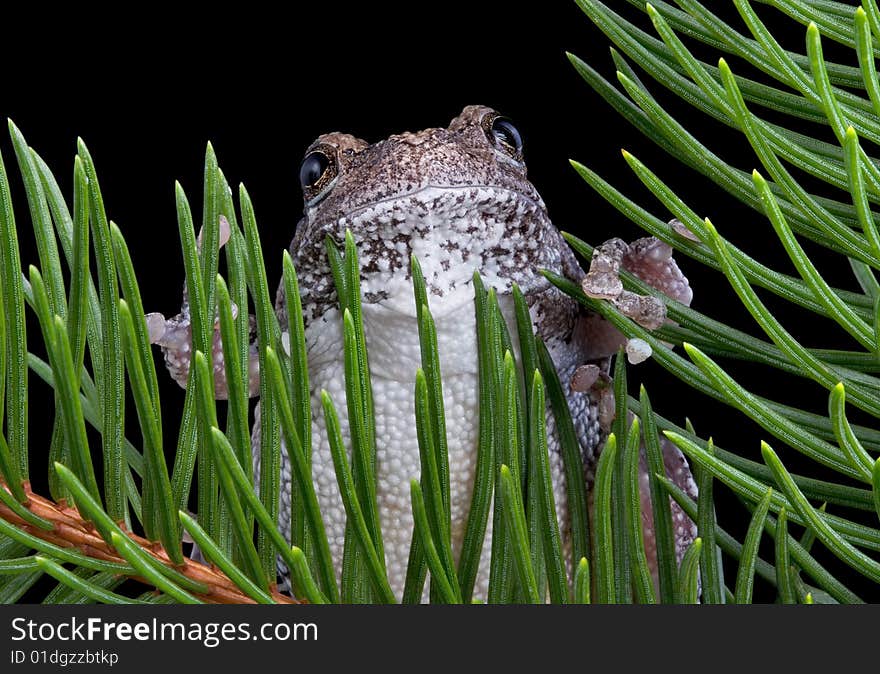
(603, 282)
(174, 335)
(649, 259)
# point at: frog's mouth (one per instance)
(453, 231)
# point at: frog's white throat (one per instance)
(453, 231)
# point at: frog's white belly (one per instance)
(393, 347)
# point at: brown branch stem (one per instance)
(71, 530)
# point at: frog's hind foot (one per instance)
(684, 530)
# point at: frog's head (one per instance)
(341, 174)
(458, 198)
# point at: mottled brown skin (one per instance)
(458, 198)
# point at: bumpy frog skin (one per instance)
(458, 198)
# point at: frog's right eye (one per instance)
(317, 172)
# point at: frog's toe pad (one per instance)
(603, 281)
(646, 310)
(156, 327)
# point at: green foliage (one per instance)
(795, 87)
(236, 526)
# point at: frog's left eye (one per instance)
(317, 171)
(502, 133)
(312, 168)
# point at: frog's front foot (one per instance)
(649, 259)
(174, 335)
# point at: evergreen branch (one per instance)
(71, 531)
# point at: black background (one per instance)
(147, 90)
